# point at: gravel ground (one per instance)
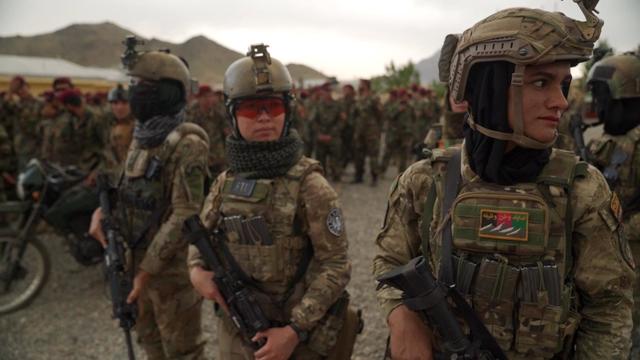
(70, 317)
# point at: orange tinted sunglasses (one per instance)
(251, 108)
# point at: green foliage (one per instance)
(396, 77)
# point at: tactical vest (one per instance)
(627, 173)
(144, 192)
(512, 256)
(272, 263)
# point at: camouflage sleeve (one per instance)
(209, 216)
(399, 240)
(330, 270)
(603, 271)
(5, 151)
(186, 199)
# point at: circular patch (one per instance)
(334, 222)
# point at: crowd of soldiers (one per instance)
(530, 242)
(93, 131)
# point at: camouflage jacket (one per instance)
(627, 172)
(179, 182)
(326, 119)
(367, 117)
(119, 140)
(296, 223)
(215, 124)
(27, 130)
(69, 140)
(602, 271)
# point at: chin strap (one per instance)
(518, 135)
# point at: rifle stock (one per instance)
(577, 127)
(120, 281)
(424, 294)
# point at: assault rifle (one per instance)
(120, 280)
(577, 127)
(425, 295)
(244, 310)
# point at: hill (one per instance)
(428, 68)
(100, 45)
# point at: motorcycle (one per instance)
(55, 195)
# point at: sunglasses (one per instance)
(251, 108)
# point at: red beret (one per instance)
(203, 90)
(62, 80)
(19, 79)
(70, 96)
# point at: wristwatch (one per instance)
(303, 335)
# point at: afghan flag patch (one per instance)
(504, 225)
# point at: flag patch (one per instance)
(504, 225)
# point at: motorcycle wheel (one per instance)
(21, 279)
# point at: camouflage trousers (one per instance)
(232, 347)
(367, 145)
(169, 320)
(632, 231)
(398, 147)
(330, 156)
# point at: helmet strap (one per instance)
(518, 135)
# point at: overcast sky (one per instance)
(345, 38)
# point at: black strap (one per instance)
(451, 185)
(478, 329)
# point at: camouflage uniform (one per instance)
(214, 123)
(69, 140)
(297, 208)
(400, 134)
(618, 156)
(119, 140)
(603, 281)
(327, 121)
(427, 113)
(367, 132)
(26, 129)
(348, 105)
(6, 165)
(168, 325)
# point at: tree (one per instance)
(396, 77)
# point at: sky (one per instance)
(344, 38)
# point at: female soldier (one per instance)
(525, 233)
(296, 259)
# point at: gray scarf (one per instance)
(152, 132)
(263, 159)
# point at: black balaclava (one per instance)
(487, 93)
(156, 98)
(620, 115)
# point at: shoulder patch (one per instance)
(616, 207)
(335, 224)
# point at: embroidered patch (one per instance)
(616, 207)
(243, 187)
(504, 225)
(335, 224)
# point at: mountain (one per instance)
(428, 69)
(100, 45)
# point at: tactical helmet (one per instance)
(621, 73)
(118, 93)
(522, 37)
(255, 75)
(155, 65)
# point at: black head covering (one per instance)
(487, 93)
(620, 115)
(150, 99)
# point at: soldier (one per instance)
(162, 184)
(449, 132)
(27, 136)
(328, 122)
(121, 132)
(525, 234)
(348, 101)
(614, 84)
(400, 131)
(298, 265)
(75, 137)
(367, 132)
(206, 113)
